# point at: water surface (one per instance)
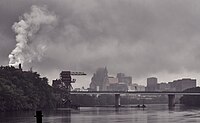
(152, 114)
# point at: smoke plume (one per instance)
(29, 46)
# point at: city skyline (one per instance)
(94, 61)
(144, 83)
(102, 81)
(139, 38)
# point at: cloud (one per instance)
(140, 38)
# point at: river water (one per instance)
(151, 114)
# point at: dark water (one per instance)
(152, 114)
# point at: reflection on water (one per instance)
(152, 114)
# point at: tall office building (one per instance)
(99, 81)
(152, 84)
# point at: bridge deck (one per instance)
(137, 92)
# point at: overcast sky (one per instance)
(141, 38)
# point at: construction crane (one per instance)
(66, 80)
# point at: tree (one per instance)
(24, 90)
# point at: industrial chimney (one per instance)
(20, 66)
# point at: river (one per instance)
(151, 114)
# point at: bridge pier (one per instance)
(171, 100)
(117, 100)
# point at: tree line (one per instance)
(24, 90)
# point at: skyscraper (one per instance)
(99, 81)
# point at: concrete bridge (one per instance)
(171, 94)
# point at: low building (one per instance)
(122, 78)
(118, 87)
(136, 87)
(164, 87)
(183, 84)
(112, 80)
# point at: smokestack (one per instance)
(20, 66)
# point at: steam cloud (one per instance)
(27, 30)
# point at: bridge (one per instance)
(171, 94)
